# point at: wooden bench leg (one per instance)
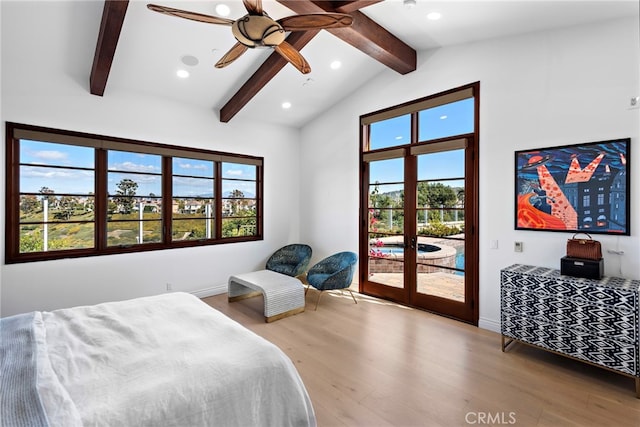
(283, 315)
(244, 296)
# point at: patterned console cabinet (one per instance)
(596, 321)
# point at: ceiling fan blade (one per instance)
(292, 55)
(254, 7)
(233, 54)
(190, 15)
(315, 21)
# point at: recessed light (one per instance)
(286, 105)
(335, 65)
(223, 10)
(434, 16)
(183, 74)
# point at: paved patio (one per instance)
(439, 284)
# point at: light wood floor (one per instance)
(380, 364)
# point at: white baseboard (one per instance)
(214, 290)
(489, 324)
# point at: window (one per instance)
(453, 118)
(134, 188)
(72, 194)
(239, 202)
(390, 133)
(193, 204)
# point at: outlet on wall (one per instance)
(169, 287)
(517, 246)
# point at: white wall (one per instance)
(561, 87)
(48, 93)
(555, 88)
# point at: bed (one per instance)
(166, 360)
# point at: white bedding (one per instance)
(167, 360)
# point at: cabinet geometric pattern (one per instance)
(597, 321)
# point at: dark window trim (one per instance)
(101, 144)
(470, 312)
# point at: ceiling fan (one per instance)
(257, 29)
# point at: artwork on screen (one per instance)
(579, 187)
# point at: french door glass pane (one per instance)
(441, 165)
(386, 222)
(390, 133)
(441, 282)
(440, 225)
(455, 118)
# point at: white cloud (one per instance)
(134, 167)
(45, 155)
(236, 172)
(192, 166)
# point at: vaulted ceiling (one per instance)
(365, 35)
(138, 50)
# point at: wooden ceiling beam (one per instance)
(319, 6)
(369, 37)
(352, 6)
(365, 34)
(263, 75)
(113, 15)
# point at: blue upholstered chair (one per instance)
(333, 273)
(291, 260)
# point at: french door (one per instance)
(419, 208)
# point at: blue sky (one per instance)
(446, 120)
(120, 163)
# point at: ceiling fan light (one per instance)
(258, 30)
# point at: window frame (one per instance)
(101, 145)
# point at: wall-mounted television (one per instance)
(574, 188)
